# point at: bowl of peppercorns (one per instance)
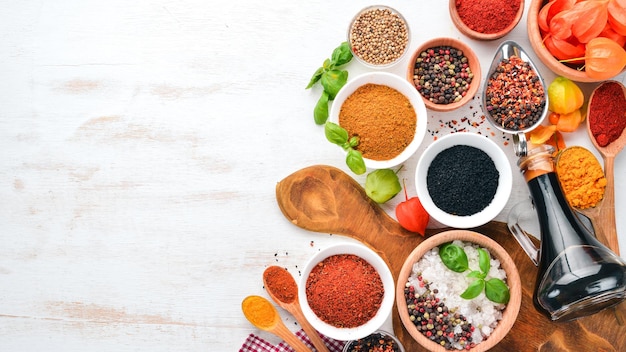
(458, 290)
(379, 341)
(379, 36)
(463, 180)
(446, 72)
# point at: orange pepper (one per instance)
(604, 58)
(569, 122)
(541, 134)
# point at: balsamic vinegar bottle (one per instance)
(578, 275)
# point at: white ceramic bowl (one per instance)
(505, 181)
(404, 49)
(401, 85)
(347, 334)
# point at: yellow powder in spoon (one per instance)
(581, 177)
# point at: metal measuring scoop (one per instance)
(506, 50)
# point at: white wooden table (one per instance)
(141, 143)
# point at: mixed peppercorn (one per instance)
(435, 320)
(442, 74)
(376, 342)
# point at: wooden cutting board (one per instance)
(327, 200)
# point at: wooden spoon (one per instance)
(604, 218)
(291, 303)
(256, 309)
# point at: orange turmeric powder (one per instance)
(581, 177)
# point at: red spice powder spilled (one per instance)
(607, 113)
(344, 290)
(487, 16)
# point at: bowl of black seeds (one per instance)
(379, 36)
(463, 180)
(446, 72)
(378, 341)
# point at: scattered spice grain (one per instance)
(607, 113)
(487, 16)
(462, 180)
(442, 74)
(515, 96)
(581, 177)
(344, 290)
(379, 36)
(382, 118)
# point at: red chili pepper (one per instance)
(411, 214)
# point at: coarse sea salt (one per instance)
(480, 312)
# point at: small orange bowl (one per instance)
(472, 60)
(534, 34)
(463, 28)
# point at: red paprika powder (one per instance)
(607, 113)
(344, 290)
(487, 16)
(280, 283)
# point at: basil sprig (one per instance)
(455, 259)
(332, 80)
(339, 136)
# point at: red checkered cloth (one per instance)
(256, 344)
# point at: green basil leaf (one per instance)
(453, 257)
(484, 261)
(497, 291)
(475, 274)
(333, 81)
(353, 142)
(381, 185)
(328, 65)
(342, 54)
(355, 161)
(320, 112)
(474, 289)
(335, 133)
(316, 77)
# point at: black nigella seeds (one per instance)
(462, 180)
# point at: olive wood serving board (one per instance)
(325, 199)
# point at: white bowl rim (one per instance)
(374, 324)
(408, 32)
(403, 86)
(505, 180)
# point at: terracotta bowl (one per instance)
(542, 52)
(474, 65)
(496, 251)
(463, 28)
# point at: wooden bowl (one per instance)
(473, 62)
(542, 52)
(509, 314)
(463, 28)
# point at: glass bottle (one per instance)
(578, 275)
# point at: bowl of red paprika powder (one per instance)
(346, 291)
(486, 19)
